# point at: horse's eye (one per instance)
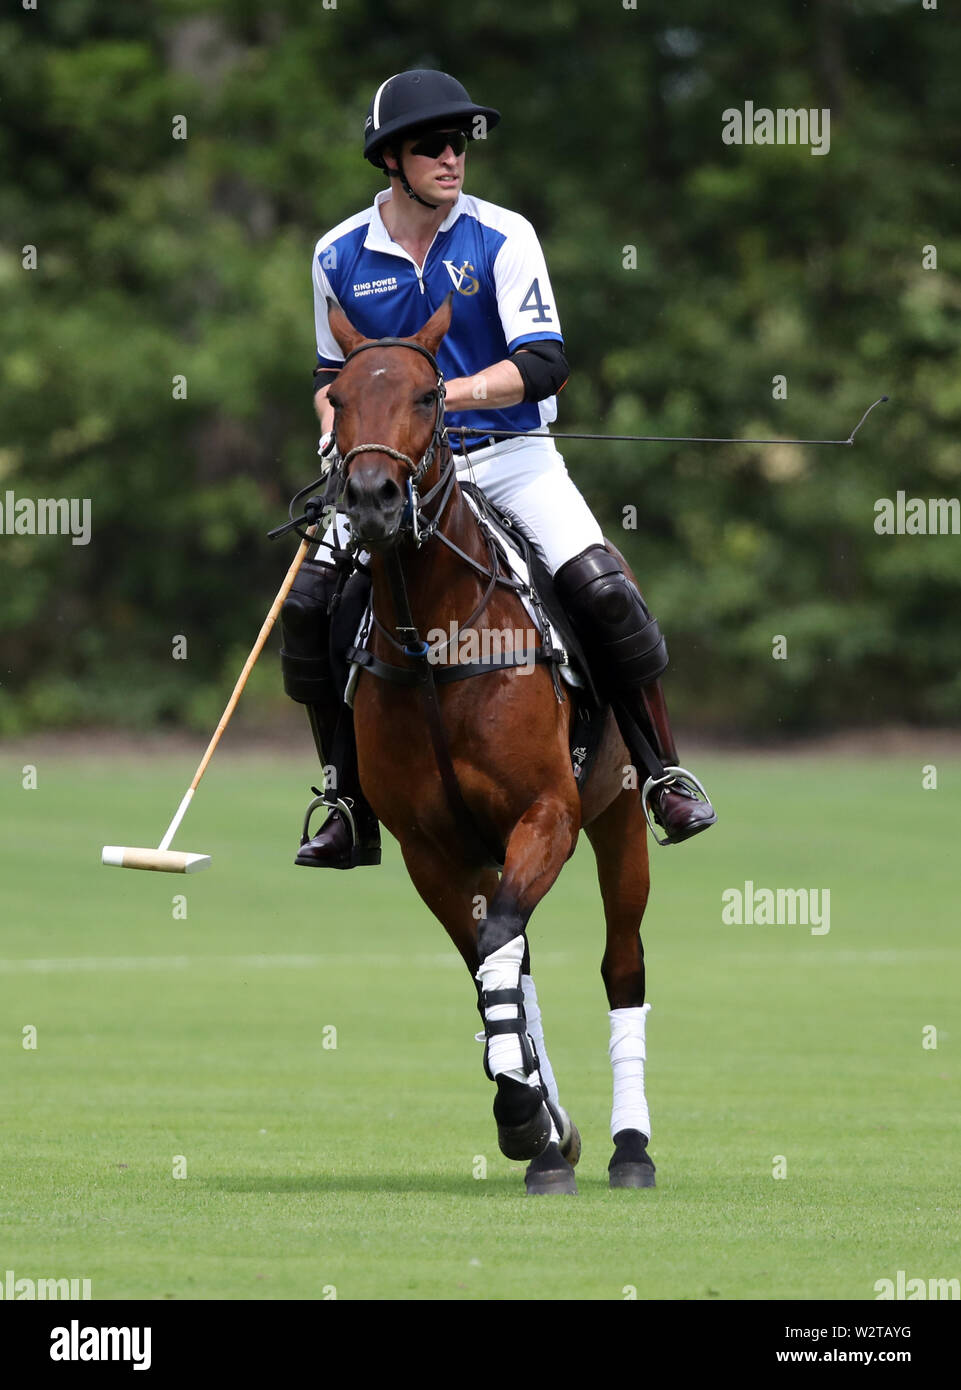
(334, 402)
(429, 399)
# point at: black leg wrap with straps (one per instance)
(498, 1027)
(520, 1109)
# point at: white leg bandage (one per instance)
(628, 1053)
(535, 1029)
(502, 970)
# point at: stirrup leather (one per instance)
(673, 776)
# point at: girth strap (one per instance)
(443, 675)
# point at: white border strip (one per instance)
(377, 102)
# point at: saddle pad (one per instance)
(520, 570)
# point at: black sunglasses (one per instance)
(435, 142)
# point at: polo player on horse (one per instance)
(389, 268)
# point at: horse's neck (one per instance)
(439, 583)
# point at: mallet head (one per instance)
(166, 861)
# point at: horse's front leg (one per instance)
(540, 843)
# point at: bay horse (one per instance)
(474, 776)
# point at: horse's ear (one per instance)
(345, 334)
(432, 333)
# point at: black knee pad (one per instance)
(305, 623)
(305, 607)
(612, 618)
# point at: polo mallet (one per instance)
(171, 861)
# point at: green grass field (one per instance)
(311, 1167)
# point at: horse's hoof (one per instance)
(570, 1140)
(523, 1120)
(631, 1165)
(550, 1173)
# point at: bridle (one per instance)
(334, 481)
(493, 575)
(416, 471)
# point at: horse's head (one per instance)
(388, 418)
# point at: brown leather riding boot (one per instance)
(350, 836)
(628, 653)
(336, 845)
(677, 809)
(333, 846)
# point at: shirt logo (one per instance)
(382, 286)
(463, 283)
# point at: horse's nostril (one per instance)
(371, 491)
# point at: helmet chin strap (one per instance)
(398, 173)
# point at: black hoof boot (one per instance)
(550, 1173)
(631, 1165)
(523, 1120)
(333, 846)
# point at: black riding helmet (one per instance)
(419, 98)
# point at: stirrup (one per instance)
(337, 804)
(673, 776)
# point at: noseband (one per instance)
(439, 436)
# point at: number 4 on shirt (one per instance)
(533, 304)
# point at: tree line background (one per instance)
(160, 257)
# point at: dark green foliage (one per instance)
(162, 257)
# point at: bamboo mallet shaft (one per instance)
(257, 648)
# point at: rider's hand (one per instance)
(327, 450)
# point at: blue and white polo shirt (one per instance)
(492, 259)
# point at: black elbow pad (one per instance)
(324, 376)
(543, 368)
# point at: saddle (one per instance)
(561, 648)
